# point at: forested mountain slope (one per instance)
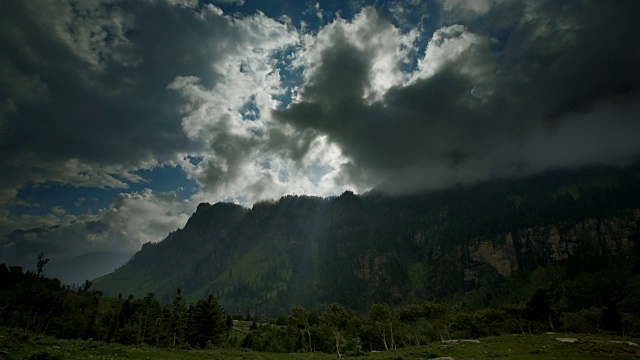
(575, 233)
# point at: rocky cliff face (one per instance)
(357, 250)
(612, 236)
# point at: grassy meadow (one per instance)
(14, 344)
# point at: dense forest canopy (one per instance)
(38, 305)
(573, 232)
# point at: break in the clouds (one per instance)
(250, 100)
(557, 88)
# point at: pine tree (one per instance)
(538, 308)
(208, 324)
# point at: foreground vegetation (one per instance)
(42, 319)
(16, 345)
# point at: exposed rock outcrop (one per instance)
(612, 236)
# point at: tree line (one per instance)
(339, 330)
(38, 305)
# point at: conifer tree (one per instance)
(207, 322)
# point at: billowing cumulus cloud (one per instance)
(130, 221)
(373, 49)
(401, 95)
(93, 92)
(476, 107)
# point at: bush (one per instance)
(588, 321)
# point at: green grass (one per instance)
(540, 347)
(240, 329)
(132, 281)
(249, 268)
(252, 264)
(20, 346)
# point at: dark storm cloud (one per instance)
(84, 86)
(342, 76)
(568, 55)
(560, 90)
(91, 92)
(86, 101)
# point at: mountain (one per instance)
(86, 267)
(574, 233)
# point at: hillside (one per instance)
(575, 233)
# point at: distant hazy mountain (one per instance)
(575, 233)
(86, 267)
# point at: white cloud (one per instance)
(408, 13)
(183, 3)
(58, 211)
(141, 217)
(130, 221)
(382, 44)
(246, 75)
(248, 159)
(234, 2)
(457, 46)
(188, 81)
(78, 172)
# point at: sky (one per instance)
(118, 117)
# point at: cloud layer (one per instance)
(555, 92)
(131, 220)
(402, 95)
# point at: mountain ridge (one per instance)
(394, 249)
